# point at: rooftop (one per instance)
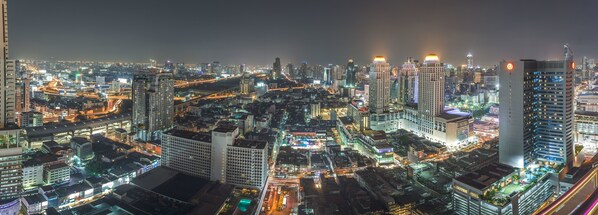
(225, 128)
(486, 176)
(254, 144)
(202, 137)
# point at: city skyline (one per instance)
(254, 33)
(442, 134)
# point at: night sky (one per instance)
(318, 31)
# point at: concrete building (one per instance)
(408, 82)
(247, 163)
(31, 119)
(351, 74)
(188, 152)
(537, 105)
(82, 148)
(57, 173)
(218, 156)
(11, 164)
(247, 84)
(492, 190)
(153, 103)
(379, 95)
(276, 69)
(33, 174)
(430, 94)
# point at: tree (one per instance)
(96, 167)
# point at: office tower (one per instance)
(351, 74)
(276, 69)
(536, 116)
(379, 97)
(430, 93)
(327, 75)
(587, 68)
(214, 67)
(23, 95)
(246, 84)
(8, 97)
(168, 66)
(11, 164)
(470, 61)
(291, 71)
(394, 88)
(303, 70)
(407, 80)
(241, 68)
(153, 103)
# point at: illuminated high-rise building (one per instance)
(379, 97)
(276, 69)
(246, 84)
(430, 93)
(153, 103)
(11, 163)
(407, 80)
(327, 75)
(470, 61)
(351, 75)
(536, 114)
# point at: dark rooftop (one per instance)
(203, 137)
(485, 176)
(225, 128)
(254, 144)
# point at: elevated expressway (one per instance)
(52, 131)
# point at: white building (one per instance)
(57, 173)
(247, 163)
(219, 156)
(379, 90)
(188, 152)
(33, 175)
(431, 94)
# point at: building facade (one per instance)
(379, 96)
(537, 103)
(218, 156)
(153, 104)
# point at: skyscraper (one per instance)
(470, 61)
(536, 116)
(11, 164)
(351, 74)
(407, 78)
(430, 93)
(246, 84)
(276, 69)
(327, 75)
(153, 103)
(291, 71)
(379, 97)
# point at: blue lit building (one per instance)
(536, 115)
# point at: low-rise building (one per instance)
(82, 148)
(57, 173)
